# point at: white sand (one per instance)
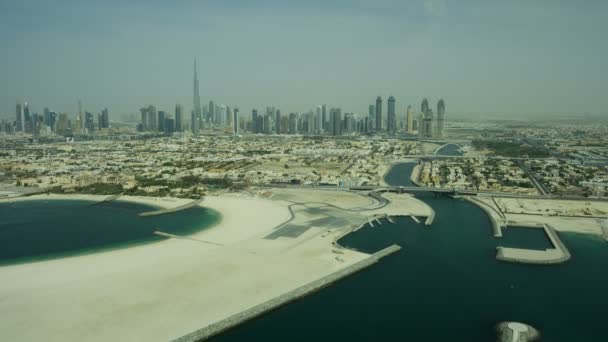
(160, 291)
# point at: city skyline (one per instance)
(248, 55)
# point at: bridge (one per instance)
(401, 189)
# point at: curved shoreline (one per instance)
(496, 226)
(94, 200)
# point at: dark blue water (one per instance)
(449, 150)
(400, 174)
(446, 285)
(38, 229)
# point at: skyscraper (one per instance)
(81, 117)
(105, 119)
(293, 123)
(391, 119)
(378, 114)
(440, 119)
(161, 121)
(410, 119)
(425, 106)
(319, 120)
(196, 115)
(324, 117)
(336, 121)
(210, 112)
(277, 121)
(19, 116)
(254, 121)
(152, 118)
(144, 119)
(178, 118)
(235, 121)
(27, 120)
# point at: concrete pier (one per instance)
(172, 210)
(232, 321)
(496, 218)
(431, 218)
(556, 255)
(605, 231)
(173, 236)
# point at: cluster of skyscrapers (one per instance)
(320, 120)
(429, 125)
(153, 120)
(52, 122)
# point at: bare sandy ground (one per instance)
(553, 207)
(160, 291)
(563, 215)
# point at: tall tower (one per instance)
(81, 117)
(179, 118)
(440, 118)
(19, 117)
(410, 119)
(378, 114)
(235, 121)
(425, 106)
(391, 119)
(196, 111)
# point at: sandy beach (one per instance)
(164, 290)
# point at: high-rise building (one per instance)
(105, 119)
(89, 123)
(194, 122)
(144, 119)
(27, 120)
(179, 118)
(152, 118)
(46, 112)
(277, 121)
(440, 119)
(427, 129)
(63, 124)
(161, 121)
(391, 119)
(254, 122)
(293, 123)
(324, 117)
(371, 117)
(424, 107)
(378, 114)
(336, 121)
(19, 118)
(235, 121)
(410, 119)
(210, 112)
(319, 120)
(168, 125)
(81, 118)
(196, 115)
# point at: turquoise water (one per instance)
(39, 229)
(446, 285)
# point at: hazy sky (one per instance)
(513, 57)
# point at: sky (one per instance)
(516, 58)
